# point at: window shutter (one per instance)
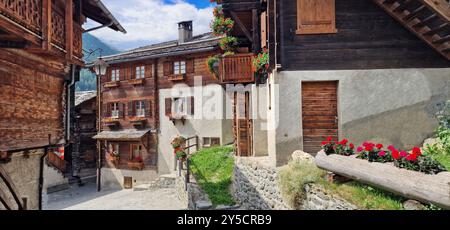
(264, 29)
(190, 66)
(191, 108)
(215, 141)
(168, 68)
(121, 110)
(168, 106)
(148, 71)
(316, 16)
(130, 109)
(148, 109)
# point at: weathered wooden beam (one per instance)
(11, 187)
(414, 185)
(242, 6)
(46, 24)
(235, 17)
(256, 31)
(69, 29)
(12, 44)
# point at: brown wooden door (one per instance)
(242, 124)
(319, 114)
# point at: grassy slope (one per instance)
(212, 169)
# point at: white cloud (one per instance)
(152, 21)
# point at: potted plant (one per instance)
(181, 155)
(228, 43)
(178, 142)
(213, 65)
(261, 66)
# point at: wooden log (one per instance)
(419, 186)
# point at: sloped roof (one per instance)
(200, 43)
(81, 97)
(97, 11)
(123, 135)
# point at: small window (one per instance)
(115, 111)
(115, 75)
(211, 142)
(140, 109)
(179, 106)
(140, 72)
(114, 149)
(179, 67)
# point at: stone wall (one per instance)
(23, 171)
(190, 194)
(255, 187)
(114, 178)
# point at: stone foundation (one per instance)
(190, 194)
(255, 187)
(114, 178)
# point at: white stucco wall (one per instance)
(209, 120)
(391, 106)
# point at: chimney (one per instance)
(184, 31)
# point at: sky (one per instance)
(153, 21)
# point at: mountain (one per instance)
(91, 43)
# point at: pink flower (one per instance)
(360, 149)
(403, 154)
(391, 148)
(382, 154)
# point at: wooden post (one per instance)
(99, 165)
(188, 172)
(256, 30)
(69, 29)
(46, 24)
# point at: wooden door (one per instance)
(319, 114)
(242, 124)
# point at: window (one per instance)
(115, 111)
(179, 67)
(140, 72)
(136, 152)
(211, 142)
(115, 75)
(316, 17)
(114, 149)
(140, 109)
(179, 106)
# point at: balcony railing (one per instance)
(236, 68)
(26, 13)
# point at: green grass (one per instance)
(213, 168)
(443, 159)
(295, 175)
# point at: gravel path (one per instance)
(86, 198)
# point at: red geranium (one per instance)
(344, 142)
(379, 146)
(395, 154)
(329, 138)
(369, 147)
(325, 142)
(411, 157)
(416, 151)
(352, 146)
(403, 154)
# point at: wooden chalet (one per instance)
(40, 58)
(139, 113)
(322, 53)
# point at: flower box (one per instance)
(135, 82)
(111, 121)
(134, 165)
(138, 121)
(112, 84)
(415, 185)
(178, 77)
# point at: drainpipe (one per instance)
(69, 100)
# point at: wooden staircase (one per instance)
(428, 19)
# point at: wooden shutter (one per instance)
(316, 16)
(215, 141)
(191, 103)
(148, 109)
(121, 110)
(190, 66)
(168, 68)
(148, 71)
(264, 29)
(168, 106)
(130, 109)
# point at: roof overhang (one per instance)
(97, 11)
(123, 135)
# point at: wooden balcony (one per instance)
(234, 69)
(112, 84)
(44, 28)
(178, 77)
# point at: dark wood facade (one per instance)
(85, 129)
(367, 37)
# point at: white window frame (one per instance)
(115, 111)
(140, 108)
(140, 72)
(179, 67)
(115, 75)
(179, 106)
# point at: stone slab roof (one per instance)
(81, 97)
(123, 135)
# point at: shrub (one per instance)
(228, 44)
(293, 178)
(211, 62)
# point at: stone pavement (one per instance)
(87, 198)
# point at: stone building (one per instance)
(40, 58)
